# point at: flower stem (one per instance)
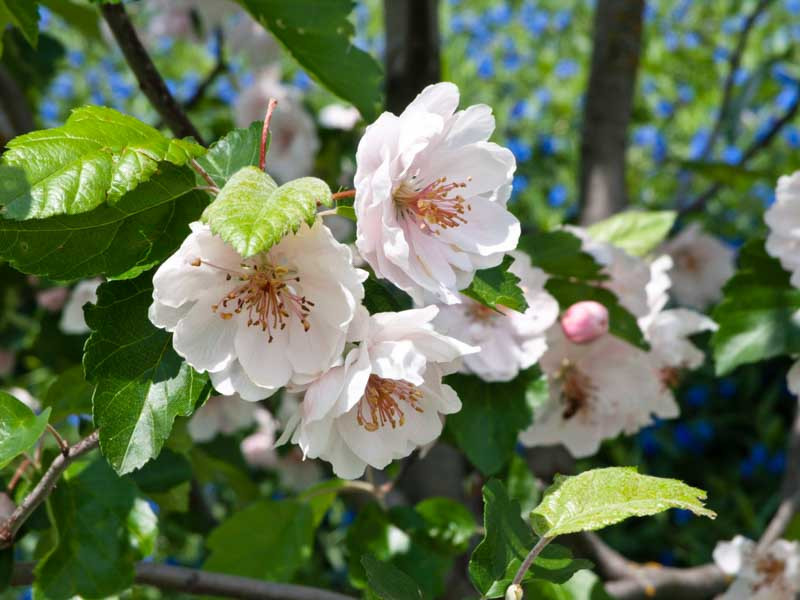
(344, 194)
(203, 173)
(526, 564)
(262, 157)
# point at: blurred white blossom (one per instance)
(771, 573)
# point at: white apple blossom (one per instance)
(783, 220)
(221, 415)
(339, 116)
(431, 195)
(387, 396)
(771, 573)
(702, 265)
(256, 324)
(72, 319)
(509, 340)
(293, 138)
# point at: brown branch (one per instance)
(9, 529)
(150, 80)
(204, 583)
(790, 489)
(662, 583)
(220, 67)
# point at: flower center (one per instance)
(480, 312)
(433, 205)
(576, 391)
(266, 293)
(688, 261)
(670, 377)
(381, 402)
(771, 569)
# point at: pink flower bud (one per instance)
(52, 299)
(584, 322)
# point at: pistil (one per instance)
(433, 206)
(382, 403)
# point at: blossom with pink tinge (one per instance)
(52, 299)
(221, 415)
(770, 573)
(585, 321)
(431, 195)
(256, 324)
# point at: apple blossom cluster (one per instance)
(771, 573)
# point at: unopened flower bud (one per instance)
(585, 321)
(514, 592)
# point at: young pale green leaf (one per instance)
(506, 543)
(601, 497)
(238, 149)
(97, 156)
(252, 214)
(266, 540)
(637, 232)
(560, 253)
(348, 212)
(759, 314)
(621, 322)
(118, 241)
(495, 411)
(388, 582)
(142, 385)
(497, 287)
(20, 428)
(22, 14)
(92, 557)
(317, 34)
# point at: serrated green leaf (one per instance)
(388, 582)
(759, 314)
(637, 232)
(601, 497)
(506, 543)
(22, 14)
(497, 287)
(621, 322)
(252, 214)
(20, 428)
(92, 557)
(97, 156)
(317, 34)
(266, 540)
(70, 394)
(142, 385)
(560, 253)
(143, 228)
(491, 417)
(237, 149)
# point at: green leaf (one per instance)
(388, 582)
(6, 568)
(601, 497)
(759, 314)
(584, 585)
(237, 149)
(20, 428)
(97, 156)
(320, 497)
(252, 214)
(142, 527)
(497, 286)
(621, 322)
(733, 175)
(22, 14)
(143, 228)
(317, 34)
(70, 394)
(83, 18)
(381, 297)
(491, 417)
(559, 253)
(637, 232)
(266, 540)
(210, 469)
(506, 543)
(448, 523)
(348, 212)
(142, 385)
(163, 474)
(521, 483)
(92, 557)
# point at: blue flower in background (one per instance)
(786, 98)
(733, 24)
(793, 6)
(727, 387)
(521, 150)
(648, 86)
(557, 196)
(562, 19)
(781, 74)
(45, 17)
(667, 558)
(765, 128)
(685, 93)
(164, 44)
(97, 97)
(486, 68)
(698, 395)
(62, 86)
(645, 135)
(225, 91)
(121, 89)
(691, 40)
(302, 81)
(792, 136)
(682, 436)
(534, 20)
(740, 76)
(457, 23)
(75, 58)
(518, 185)
(679, 12)
(776, 465)
(548, 145)
(681, 516)
(499, 15)
(518, 110)
(721, 54)
(671, 40)
(512, 61)
(703, 430)
(765, 193)
(566, 68)
(731, 155)
(48, 110)
(647, 442)
(664, 109)
(544, 95)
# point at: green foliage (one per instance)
(84, 18)
(236, 150)
(22, 14)
(447, 522)
(252, 214)
(495, 411)
(92, 556)
(317, 34)
(142, 384)
(266, 540)
(6, 568)
(506, 543)
(97, 156)
(164, 473)
(497, 287)
(583, 585)
(142, 525)
(118, 241)
(636, 232)
(601, 497)
(559, 253)
(70, 394)
(388, 582)
(380, 296)
(759, 314)
(20, 428)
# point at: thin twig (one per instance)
(219, 68)
(526, 564)
(18, 474)
(203, 173)
(150, 80)
(62, 443)
(262, 156)
(9, 529)
(343, 194)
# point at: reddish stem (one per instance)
(344, 194)
(262, 157)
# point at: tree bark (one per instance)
(412, 49)
(617, 42)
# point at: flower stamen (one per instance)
(382, 399)
(432, 205)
